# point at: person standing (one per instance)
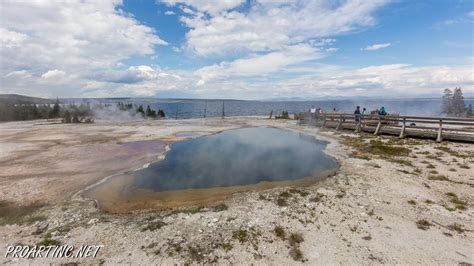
(334, 112)
(382, 113)
(357, 114)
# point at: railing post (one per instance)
(440, 131)
(323, 125)
(402, 133)
(223, 110)
(340, 123)
(379, 125)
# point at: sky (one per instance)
(240, 49)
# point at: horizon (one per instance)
(283, 99)
(237, 49)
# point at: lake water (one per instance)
(236, 157)
(215, 108)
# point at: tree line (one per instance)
(71, 113)
(18, 112)
(10, 111)
(148, 112)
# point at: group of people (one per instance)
(315, 110)
(358, 113)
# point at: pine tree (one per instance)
(148, 111)
(34, 111)
(161, 113)
(67, 117)
(459, 108)
(56, 109)
(448, 101)
(140, 109)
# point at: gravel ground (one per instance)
(415, 208)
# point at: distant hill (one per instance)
(21, 99)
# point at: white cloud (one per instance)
(332, 49)
(53, 74)
(209, 6)
(272, 25)
(259, 65)
(10, 39)
(20, 74)
(76, 36)
(467, 18)
(382, 80)
(133, 75)
(376, 46)
(170, 13)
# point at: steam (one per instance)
(114, 113)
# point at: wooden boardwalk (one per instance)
(438, 128)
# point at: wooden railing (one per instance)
(439, 128)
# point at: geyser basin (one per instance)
(210, 167)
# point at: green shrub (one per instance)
(279, 232)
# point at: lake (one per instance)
(215, 108)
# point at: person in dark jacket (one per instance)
(357, 114)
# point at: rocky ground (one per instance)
(393, 201)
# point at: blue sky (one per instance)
(418, 31)
(245, 49)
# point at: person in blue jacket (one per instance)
(382, 112)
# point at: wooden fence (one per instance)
(439, 128)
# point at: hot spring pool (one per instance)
(236, 157)
(229, 161)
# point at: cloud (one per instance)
(133, 75)
(377, 81)
(271, 25)
(380, 80)
(467, 18)
(77, 37)
(10, 39)
(208, 6)
(376, 46)
(19, 74)
(332, 80)
(259, 65)
(170, 13)
(52, 74)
